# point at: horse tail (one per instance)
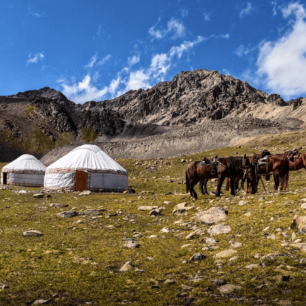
(187, 182)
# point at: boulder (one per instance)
(131, 244)
(196, 234)
(147, 207)
(155, 212)
(211, 216)
(57, 205)
(38, 195)
(126, 267)
(300, 223)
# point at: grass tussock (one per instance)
(80, 261)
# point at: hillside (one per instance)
(198, 110)
(77, 261)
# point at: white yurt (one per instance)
(86, 168)
(25, 171)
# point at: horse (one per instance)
(293, 165)
(195, 173)
(230, 167)
(277, 164)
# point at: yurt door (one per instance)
(4, 178)
(80, 180)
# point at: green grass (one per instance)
(81, 265)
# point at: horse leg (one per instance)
(192, 192)
(233, 185)
(220, 182)
(201, 185)
(281, 183)
(205, 186)
(276, 181)
(228, 182)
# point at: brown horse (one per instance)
(298, 164)
(277, 164)
(196, 173)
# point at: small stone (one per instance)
(232, 259)
(241, 203)
(90, 212)
(164, 230)
(169, 281)
(293, 236)
(143, 208)
(225, 254)
(126, 267)
(137, 270)
(68, 214)
(218, 282)
(252, 266)
(303, 205)
(132, 244)
(32, 233)
(271, 237)
(229, 288)
(167, 202)
(37, 302)
(38, 195)
(198, 257)
(248, 214)
(219, 229)
(196, 234)
(210, 241)
(3, 286)
(85, 193)
(236, 244)
(182, 207)
(261, 198)
(57, 205)
(153, 236)
(187, 288)
(155, 212)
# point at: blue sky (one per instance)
(97, 49)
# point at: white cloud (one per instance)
(128, 79)
(133, 60)
(242, 50)
(173, 26)
(274, 7)
(35, 58)
(246, 11)
(92, 61)
(34, 14)
(104, 60)
(282, 63)
(206, 15)
(184, 13)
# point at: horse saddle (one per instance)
(203, 163)
(263, 161)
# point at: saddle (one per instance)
(212, 163)
(263, 161)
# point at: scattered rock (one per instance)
(155, 212)
(143, 208)
(169, 281)
(211, 216)
(303, 205)
(92, 212)
(229, 288)
(38, 195)
(196, 234)
(32, 233)
(233, 258)
(182, 207)
(85, 193)
(198, 257)
(131, 244)
(210, 241)
(3, 286)
(261, 198)
(252, 266)
(126, 267)
(187, 288)
(218, 282)
(137, 270)
(241, 203)
(219, 229)
(68, 214)
(300, 223)
(225, 254)
(167, 202)
(271, 237)
(235, 244)
(248, 214)
(57, 205)
(38, 302)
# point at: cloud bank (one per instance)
(282, 63)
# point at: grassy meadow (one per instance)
(78, 262)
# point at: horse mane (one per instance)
(265, 153)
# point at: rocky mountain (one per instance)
(38, 121)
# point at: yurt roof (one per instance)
(26, 164)
(85, 157)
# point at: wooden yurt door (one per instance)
(80, 180)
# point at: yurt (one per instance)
(25, 171)
(86, 168)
